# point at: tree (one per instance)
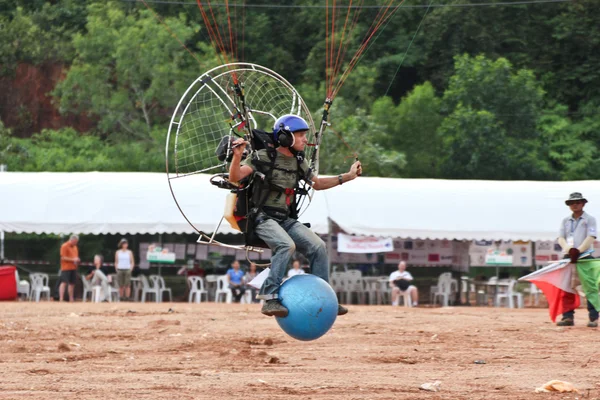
(491, 123)
(356, 134)
(129, 71)
(411, 128)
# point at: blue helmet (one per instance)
(291, 123)
(284, 128)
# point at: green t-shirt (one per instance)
(284, 175)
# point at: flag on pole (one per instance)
(555, 282)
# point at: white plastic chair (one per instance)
(405, 297)
(94, 291)
(383, 290)
(534, 295)
(23, 286)
(247, 297)
(113, 287)
(444, 290)
(354, 285)
(509, 295)
(435, 289)
(148, 288)
(337, 281)
(223, 289)
(38, 286)
(159, 283)
(196, 286)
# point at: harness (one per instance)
(256, 189)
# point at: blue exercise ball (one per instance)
(312, 306)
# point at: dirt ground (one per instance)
(217, 351)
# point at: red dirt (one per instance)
(215, 351)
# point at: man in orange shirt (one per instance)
(69, 258)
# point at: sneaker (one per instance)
(566, 322)
(274, 308)
(593, 324)
(342, 310)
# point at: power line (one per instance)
(291, 6)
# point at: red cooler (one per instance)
(8, 283)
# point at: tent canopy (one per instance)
(119, 202)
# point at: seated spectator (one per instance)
(97, 274)
(235, 277)
(251, 274)
(196, 270)
(295, 270)
(400, 282)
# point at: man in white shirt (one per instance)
(400, 282)
(296, 270)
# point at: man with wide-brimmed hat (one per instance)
(577, 235)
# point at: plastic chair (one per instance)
(337, 281)
(196, 286)
(113, 287)
(23, 286)
(38, 286)
(534, 295)
(435, 289)
(444, 290)
(148, 288)
(159, 283)
(95, 291)
(247, 297)
(354, 285)
(510, 294)
(405, 297)
(223, 289)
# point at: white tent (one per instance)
(100, 203)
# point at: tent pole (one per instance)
(2, 247)
(329, 244)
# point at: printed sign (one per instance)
(159, 255)
(502, 253)
(363, 244)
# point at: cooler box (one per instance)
(8, 283)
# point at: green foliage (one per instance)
(491, 127)
(66, 150)
(129, 70)
(411, 128)
(356, 130)
(495, 92)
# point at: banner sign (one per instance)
(502, 253)
(363, 244)
(498, 257)
(159, 255)
(423, 252)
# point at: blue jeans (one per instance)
(283, 238)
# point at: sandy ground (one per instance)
(208, 351)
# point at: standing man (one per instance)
(400, 281)
(69, 258)
(577, 235)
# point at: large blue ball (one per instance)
(312, 306)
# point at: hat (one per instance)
(575, 196)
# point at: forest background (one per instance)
(504, 91)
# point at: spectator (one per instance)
(400, 282)
(251, 274)
(124, 264)
(98, 276)
(69, 258)
(235, 277)
(295, 270)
